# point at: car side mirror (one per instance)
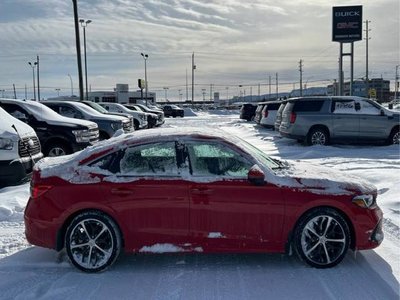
(357, 106)
(382, 112)
(256, 176)
(390, 105)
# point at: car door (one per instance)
(374, 124)
(345, 120)
(149, 195)
(227, 212)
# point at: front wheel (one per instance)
(322, 238)
(57, 149)
(394, 137)
(93, 242)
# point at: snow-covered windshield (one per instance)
(259, 155)
(86, 109)
(41, 111)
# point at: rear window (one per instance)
(273, 106)
(307, 106)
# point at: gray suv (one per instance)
(321, 120)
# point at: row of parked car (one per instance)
(32, 129)
(325, 120)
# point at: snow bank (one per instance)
(189, 112)
(12, 203)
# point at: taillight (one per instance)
(292, 117)
(265, 113)
(39, 190)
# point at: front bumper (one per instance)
(368, 229)
(14, 172)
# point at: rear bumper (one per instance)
(41, 233)
(17, 171)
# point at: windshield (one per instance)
(86, 109)
(41, 111)
(97, 107)
(260, 155)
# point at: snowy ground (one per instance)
(28, 272)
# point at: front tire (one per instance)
(322, 238)
(93, 242)
(394, 138)
(57, 149)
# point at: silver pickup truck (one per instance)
(321, 120)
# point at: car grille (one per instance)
(127, 126)
(28, 146)
(94, 134)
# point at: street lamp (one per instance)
(33, 65)
(84, 24)
(145, 57)
(165, 89)
(72, 86)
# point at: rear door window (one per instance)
(308, 106)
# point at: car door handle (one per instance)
(202, 191)
(121, 192)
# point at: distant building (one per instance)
(121, 94)
(378, 89)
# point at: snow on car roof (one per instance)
(300, 175)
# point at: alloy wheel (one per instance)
(56, 151)
(318, 138)
(323, 240)
(396, 138)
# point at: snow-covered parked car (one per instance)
(191, 190)
(139, 117)
(19, 150)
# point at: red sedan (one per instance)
(184, 190)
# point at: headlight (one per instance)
(6, 144)
(116, 126)
(364, 201)
(82, 136)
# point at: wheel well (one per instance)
(345, 217)
(61, 232)
(104, 135)
(319, 126)
(396, 127)
(56, 140)
(136, 123)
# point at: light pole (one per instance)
(72, 86)
(84, 24)
(204, 94)
(180, 95)
(165, 89)
(396, 83)
(145, 57)
(33, 65)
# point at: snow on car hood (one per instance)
(321, 180)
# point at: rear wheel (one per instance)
(322, 238)
(318, 136)
(93, 242)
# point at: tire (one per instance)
(136, 124)
(103, 136)
(57, 149)
(318, 136)
(93, 242)
(322, 238)
(394, 137)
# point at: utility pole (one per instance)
(269, 85)
(38, 81)
(211, 86)
(366, 56)
(259, 91)
(301, 77)
(396, 82)
(187, 88)
(193, 68)
(276, 87)
(15, 92)
(78, 49)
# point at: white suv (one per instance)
(140, 118)
(19, 150)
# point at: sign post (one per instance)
(346, 28)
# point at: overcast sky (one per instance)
(235, 43)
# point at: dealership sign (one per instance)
(347, 24)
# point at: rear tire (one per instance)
(318, 136)
(93, 242)
(322, 238)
